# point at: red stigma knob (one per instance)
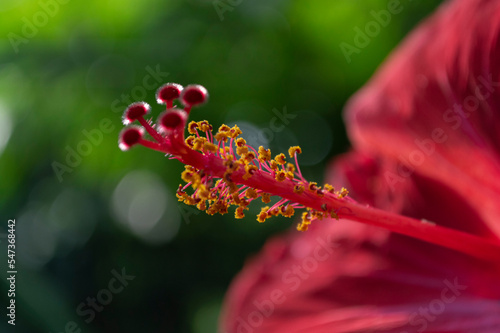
(168, 92)
(135, 111)
(194, 94)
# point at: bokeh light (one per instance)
(143, 205)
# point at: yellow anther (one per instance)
(236, 198)
(201, 205)
(317, 215)
(290, 175)
(312, 186)
(288, 211)
(232, 187)
(234, 132)
(306, 221)
(214, 208)
(213, 194)
(198, 143)
(223, 133)
(280, 159)
(179, 189)
(221, 136)
(275, 212)
(264, 154)
(299, 189)
(242, 150)
(181, 196)
(207, 146)
(280, 176)
(224, 128)
(263, 215)
(343, 192)
(250, 169)
(238, 214)
(190, 141)
(266, 197)
(231, 165)
(249, 157)
(290, 167)
(240, 142)
(211, 210)
(251, 193)
(329, 188)
(319, 192)
(294, 150)
(190, 201)
(204, 126)
(191, 176)
(306, 217)
(203, 193)
(302, 227)
(192, 127)
(244, 202)
(273, 164)
(223, 208)
(227, 178)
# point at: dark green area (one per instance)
(66, 74)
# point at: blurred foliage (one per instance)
(78, 66)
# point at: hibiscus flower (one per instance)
(426, 143)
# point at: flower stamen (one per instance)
(221, 175)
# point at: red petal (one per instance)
(348, 277)
(420, 197)
(406, 115)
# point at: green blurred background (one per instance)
(67, 71)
